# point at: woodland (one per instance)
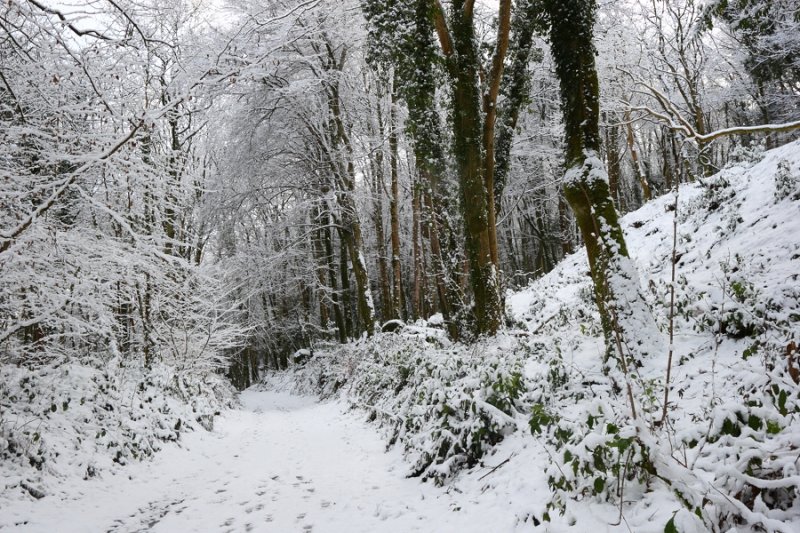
(197, 196)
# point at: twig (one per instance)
(671, 307)
(496, 467)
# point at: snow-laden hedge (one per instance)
(446, 405)
(67, 421)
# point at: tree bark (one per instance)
(637, 165)
(469, 151)
(377, 194)
(397, 274)
(416, 237)
(338, 309)
(627, 323)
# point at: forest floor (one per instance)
(281, 463)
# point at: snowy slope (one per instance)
(524, 431)
(737, 307)
(726, 459)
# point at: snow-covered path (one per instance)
(282, 463)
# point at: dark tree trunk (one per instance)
(339, 311)
(394, 207)
(627, 322)
(469, 152)
(377, 217)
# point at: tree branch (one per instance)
(8, 239)
(503, 32)
(441, 29)
(469, 7)
(62, 18)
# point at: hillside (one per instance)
(727, 456)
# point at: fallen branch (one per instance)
(495, 468)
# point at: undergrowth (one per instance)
(68, 420)
(446, 407)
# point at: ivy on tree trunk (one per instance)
(628, 325)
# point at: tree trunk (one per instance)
(338, 309)
(469, 151)
(366, 309)
(637, 165)
(514, 89)
(613, 163)
(416, 237)
(397, 274)
(319, 257)
(566, 226)
(344, 276)
(628, 325)
(441, 276)
(377, 217)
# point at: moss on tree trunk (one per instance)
(628, 326)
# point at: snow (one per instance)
(281, 463)
(287, 462)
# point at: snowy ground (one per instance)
(281, 463)
(284, 463)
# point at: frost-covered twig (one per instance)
(671, 307)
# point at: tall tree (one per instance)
(628, 325)
(401, 31)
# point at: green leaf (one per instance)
(599, 485)
(754, 422)
(729, 427)
(670, 527)
(750, 351)
(773, 428)
(782, 402)
(539, 419)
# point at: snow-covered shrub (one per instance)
(787, 183)
(743, 454)
(745, 155)
(70, 420)
(718, 192)
(446, 405)
(734, 306)
(596, 457)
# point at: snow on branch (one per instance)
(672, 117)
(8, 239)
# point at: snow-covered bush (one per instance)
(743, 154)
(447, 405)
(596, 457)
(787, 183)
(69, 420)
